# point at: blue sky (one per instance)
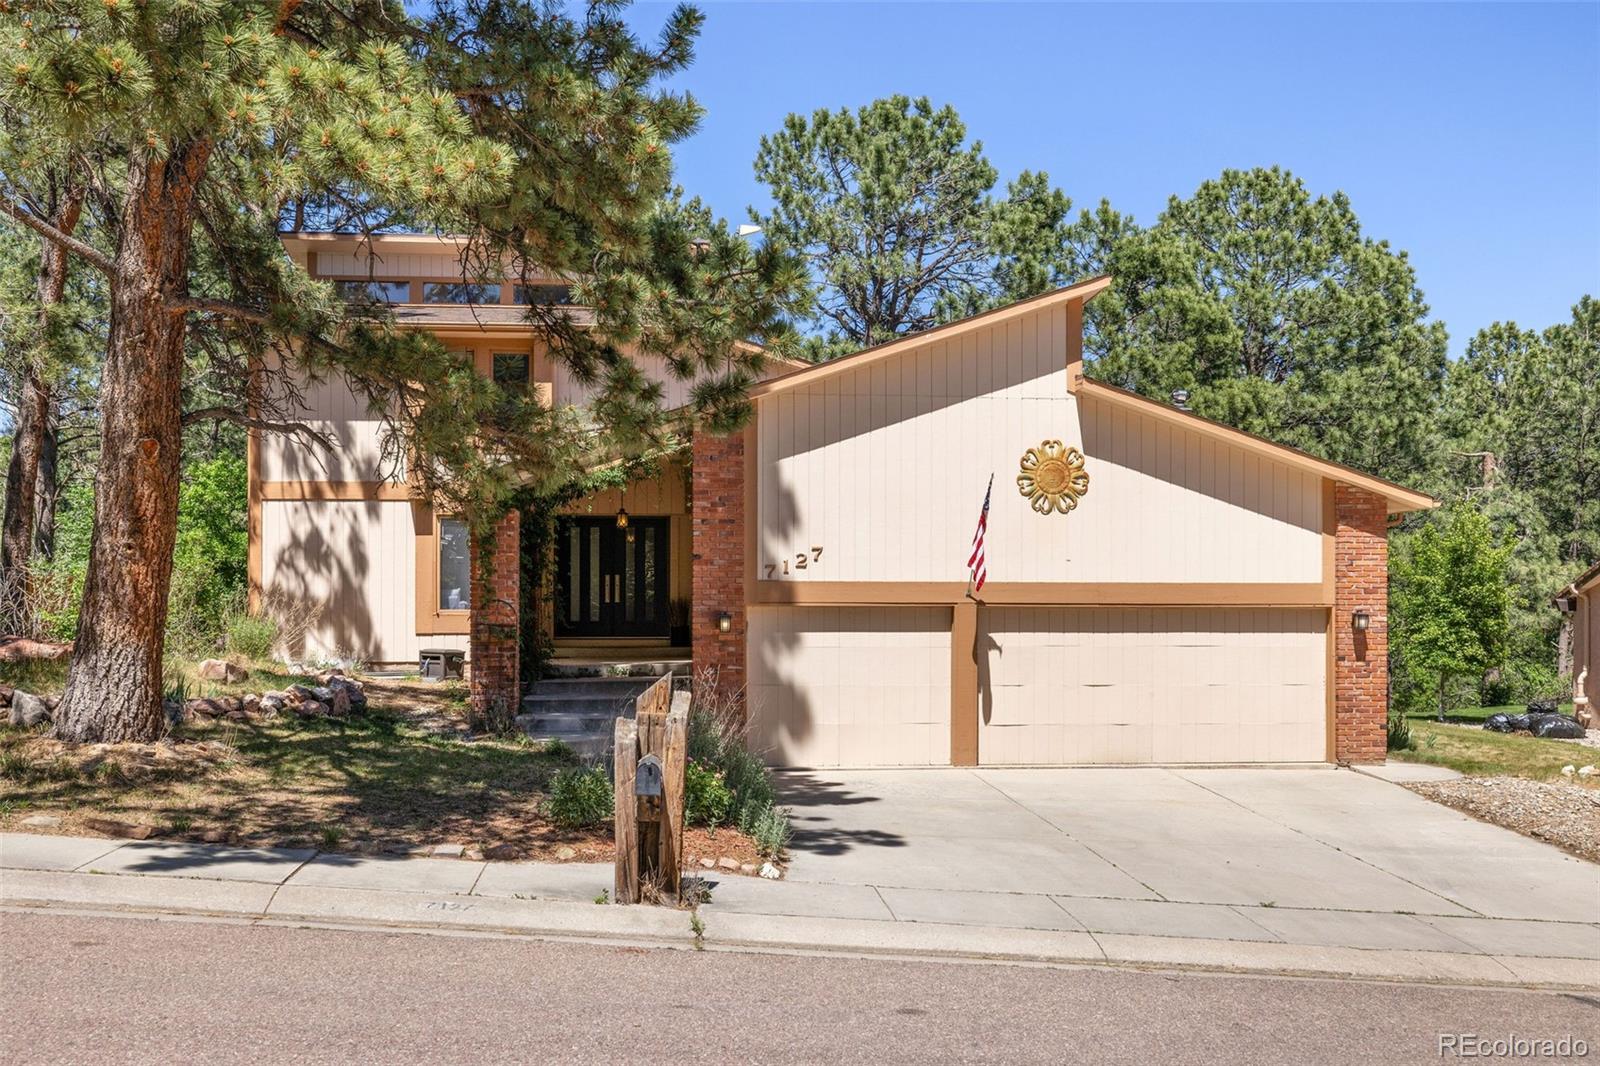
(1466, 134)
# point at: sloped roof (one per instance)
(1400, 499)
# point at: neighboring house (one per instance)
(1581, 602)
(1210, 598)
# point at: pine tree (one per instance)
(1278, 316)
(537, 131)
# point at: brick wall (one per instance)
(493, 649)
(717, 523)
(1361, 660)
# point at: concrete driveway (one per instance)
(1306, 856)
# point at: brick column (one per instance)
(717, 522)
(1361, 659)
(493, 648)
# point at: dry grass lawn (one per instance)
(402, 776)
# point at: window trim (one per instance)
(433, 619)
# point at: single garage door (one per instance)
(1141, 685)
(850, 686)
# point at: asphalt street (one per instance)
(100, 989)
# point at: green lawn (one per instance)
(1461, 744)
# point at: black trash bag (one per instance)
(1544, 706)
(1506, 723)
(1555, 727)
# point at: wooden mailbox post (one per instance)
(649, 756)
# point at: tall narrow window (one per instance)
(574, 576)
(455, 566)
(650, 573)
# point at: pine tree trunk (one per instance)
(114, 683)
(48, 488)
(35, 421)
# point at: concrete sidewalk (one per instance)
(558, 900)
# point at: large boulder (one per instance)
(28, 710)
(222, 671)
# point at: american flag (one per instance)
(976, 564)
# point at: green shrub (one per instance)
(717, 741)
(579, 798)
(706, 798)
(771, 831)
(1399, 732)
(249, 636)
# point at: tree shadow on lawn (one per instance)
(370, 782)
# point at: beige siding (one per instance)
(884, 468)
(356, 434)
(354, 563)
(850, 686)
(1142, 685)
(389, 265)
(570, 390)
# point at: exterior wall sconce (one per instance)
(1359, 621)
(622, 518)
(724, 622)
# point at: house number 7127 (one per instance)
(802, 560)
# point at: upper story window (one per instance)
(459, 292)
(383, 292)
(550, 295)
(511, 370)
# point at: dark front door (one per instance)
(611, 582)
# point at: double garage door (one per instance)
(870, 686)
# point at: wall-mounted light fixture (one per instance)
(1360, 620)
(1567, 604)
(622, 518)
(724, 622)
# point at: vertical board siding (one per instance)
(850, 686)
(352, 563)
(1067, 685)
(884, 468)
(355, 433)
(389, 264)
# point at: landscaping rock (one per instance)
(502, 851)
(215, 836)
(27, 709)
(214, 706)
(42, 821)
(566, 854)
(350, 690)
(5, 695)
(311, 709)
(748, 869)
(339, 703)
(708, 863)
(770, 872)
(449, 851)
(223, 671)
(113, 828)
(731, 865)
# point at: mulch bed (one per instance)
(1560, 813)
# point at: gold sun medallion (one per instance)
(1053, 478)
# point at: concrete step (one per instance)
(616, 687)
(639, 668)
(561, 723)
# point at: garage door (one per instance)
(1141, 685)
(850, 686)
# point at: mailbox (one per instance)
(647, 776)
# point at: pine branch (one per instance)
(225, 308)
(88, 252)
